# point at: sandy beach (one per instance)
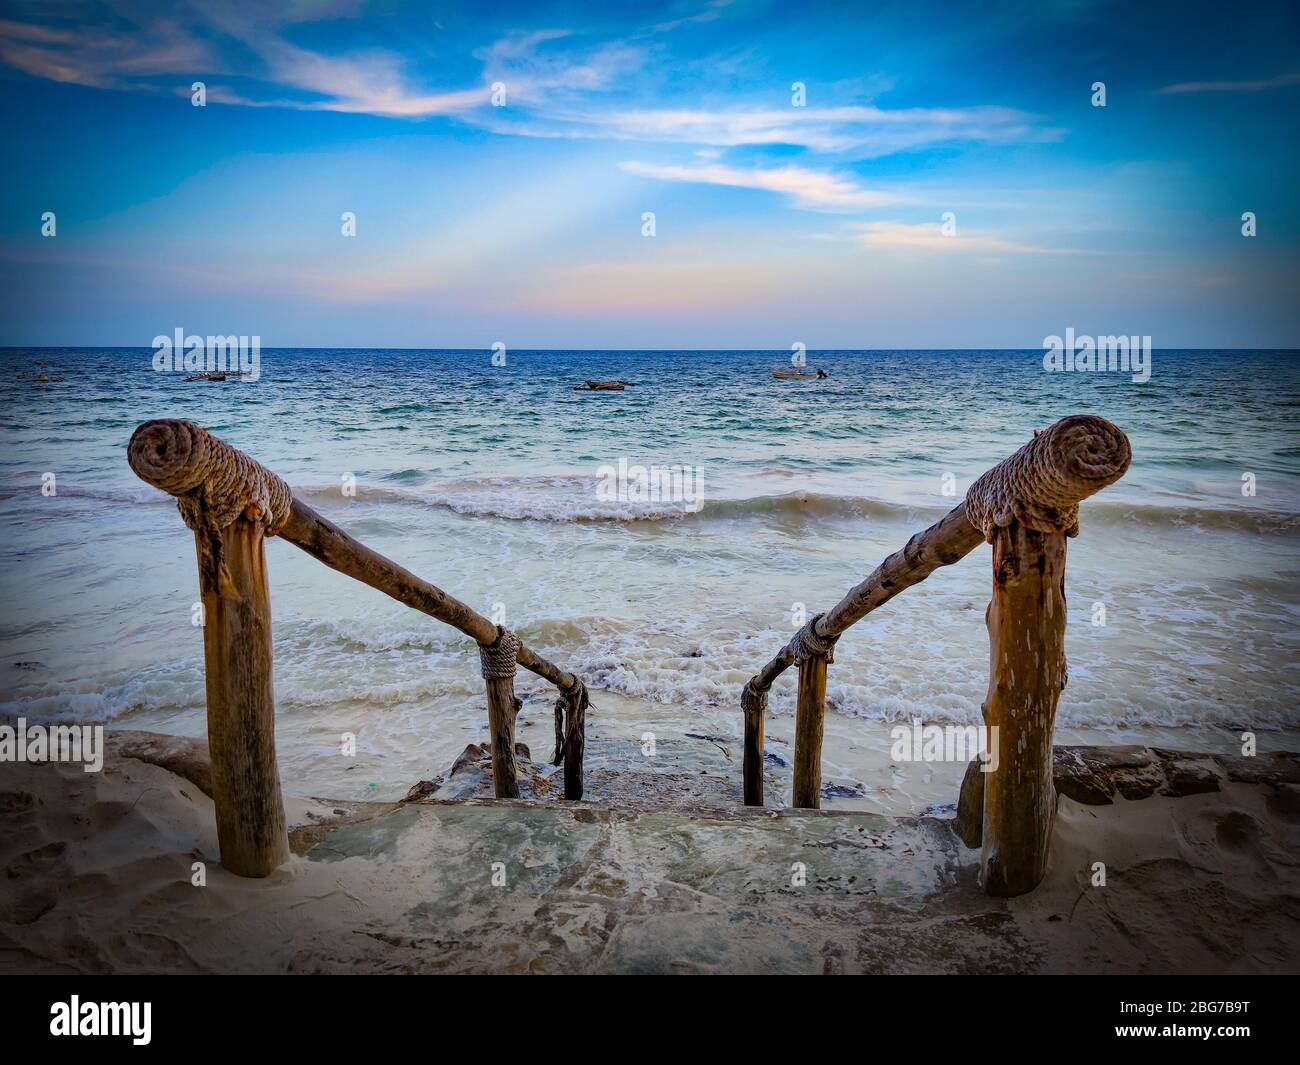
(98, 871)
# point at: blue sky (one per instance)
(774, 223)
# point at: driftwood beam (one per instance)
(947, 541)
(325, 541)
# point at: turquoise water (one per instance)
(484, 480)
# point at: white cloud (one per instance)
(1256, 85)
(929, 236)
(712, 11)
(863, 131)
(812, 189)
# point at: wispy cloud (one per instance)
(561, 83)
(104, 59)
(810, 189)
(711, 13)
(371, 82)
(1253, 85)
(929, 236)
(861, 131)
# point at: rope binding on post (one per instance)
(573, 703)
(808, 644)
(499, 659)
(753, 699)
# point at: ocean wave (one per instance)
(573, 500)
(568, 499)
(692, 666)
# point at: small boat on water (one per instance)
(601, 386)
(797, 375)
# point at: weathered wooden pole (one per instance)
(813, 653)
(571, 737)
(1026, 623)
(249, 809)
(753, 704)
(499, 660)
(1026, 507)
(230, 503)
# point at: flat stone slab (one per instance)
(509, 886)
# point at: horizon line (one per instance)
(488, 349)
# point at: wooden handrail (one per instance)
(324, 540)
(1025, 506)
(232, 502)
(947, 541)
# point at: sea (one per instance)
(501, 484)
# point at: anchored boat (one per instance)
(796, 375)
(601, 386)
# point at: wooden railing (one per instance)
(232, 502)
(1025, 507)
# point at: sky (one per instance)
(842, 175)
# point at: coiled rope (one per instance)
(1040, 486)
(213, 482)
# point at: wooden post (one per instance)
(241, 705)
(1025, 506)
(809, 720)
(502, 709)
(499, 660)
(1026, 623)
(575, 739)
(753, 703)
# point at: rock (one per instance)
(1191, 776)
(843, 789)
(471, 777)
(188, 758)
(475, 754)
(1076, 779)
(969, 822)
(1275, 768)
(423, 789)
(1139, 783)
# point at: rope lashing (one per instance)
(500, 658)
(753, 700)
(1040, 486)
(572, 704)
(808, 644)
(213, 482)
